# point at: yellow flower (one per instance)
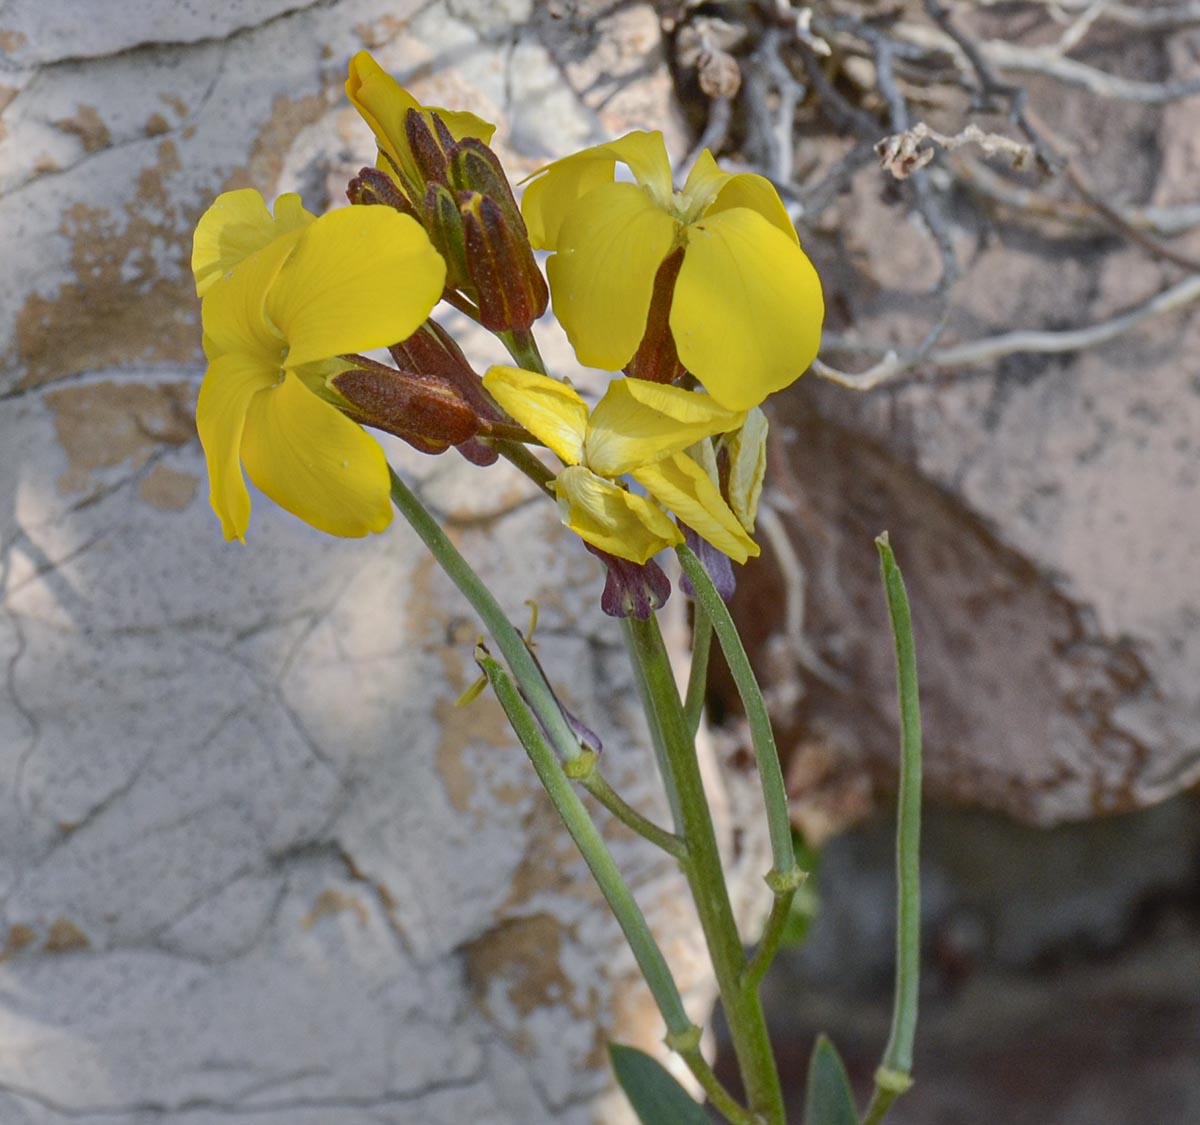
(353, 280)
(384, 104)
(640, 429)
(747, 308)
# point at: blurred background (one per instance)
(251, 858)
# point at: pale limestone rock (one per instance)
(253, 860)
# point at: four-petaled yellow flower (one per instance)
(747, 307)
(284, 297)
(640, 429)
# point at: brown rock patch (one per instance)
(107, 424)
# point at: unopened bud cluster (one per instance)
(459, 193)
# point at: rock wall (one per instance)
(253, 862)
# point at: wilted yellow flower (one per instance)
(279, 309)
(747, 307)
(640, 429)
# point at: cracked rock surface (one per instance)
(254, 864)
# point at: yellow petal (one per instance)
(747, 310)
(234, 312)
(461, 123)
(237, 225)
(704, 181)
(315, 462)
(360, 278)
(705, 456)
(758, 194)
(548, 409)
(637, 423)
(383, 104)
(607, 516)
(602, 278)
(683, 487)
(554, 190)
(747, 466)
(229, 384)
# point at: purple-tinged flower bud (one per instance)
(631, 589)
(657, 359)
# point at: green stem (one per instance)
(662, 757)
(718, 1096)
(519, 456)
(706, 878)
(770, 772)
(594, 851)
(693, 704)
(523, 348)
(772, 936)
(510, 642)
(598, 786)
(894, 1074)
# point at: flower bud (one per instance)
(431, 350)
(509, 287)
(426, 411)
(444, 225)
(631, 589)
(374, 186)
(429, 151)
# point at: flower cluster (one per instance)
(701, 299)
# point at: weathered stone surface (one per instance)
(1043, 506)
(253, 860)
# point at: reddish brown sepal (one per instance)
(657, 359)
(426, 411)
(432, 160)
(374, 186)
(509, 287)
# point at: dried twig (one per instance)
(992, 348)
(901, 153)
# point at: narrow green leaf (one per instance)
(828, 1099)
(654, 1094)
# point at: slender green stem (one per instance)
(523, 348)
(662, 758)
(598, 786)
(894, 1074)
(772, 935)
(721, 1098)
(519, 456)
(693, 704)
(770, 772)
(510, 642)
(706, 879)
(593, 849)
